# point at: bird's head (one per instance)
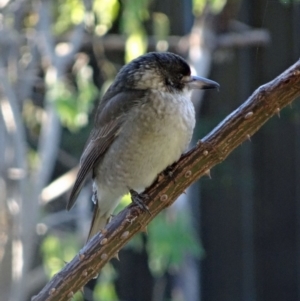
(164, 71)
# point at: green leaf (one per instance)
(56, 252)
(106, 12)
(170, 239)
(73, 102)
(68, 13)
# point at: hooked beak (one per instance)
(197, 82)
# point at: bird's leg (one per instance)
(95, 196)
(137, 199)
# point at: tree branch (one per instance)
(240, 125)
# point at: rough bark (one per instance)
(239, 126)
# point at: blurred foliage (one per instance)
(105, 290)
(135, 13)
(74, 101)
(72, 12)
(68, 13)
(198, 6)
(161, 26)
(32, 116)
(106, 11)
(215, 6)
(57, 251)
(170, 239)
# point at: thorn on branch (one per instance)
(125, 235)
(103, 231)
(188, 174)
(70, 295)
(160, 177)
(103, 241)
(207, 172)
(104, 256)
(249, 115)
(163, 198)
(84, 273)
(116, 256)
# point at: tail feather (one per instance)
(98, 222)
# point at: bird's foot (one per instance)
(138, 199)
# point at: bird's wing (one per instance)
(108, 123)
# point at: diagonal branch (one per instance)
(240, 125)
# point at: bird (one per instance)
(143, 124)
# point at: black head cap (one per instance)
(156, 70)
(164, 71)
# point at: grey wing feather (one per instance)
(93, 152)
(108, 123)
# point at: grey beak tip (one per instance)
(203, 83)
(212, 86)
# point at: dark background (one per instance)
(250, 210)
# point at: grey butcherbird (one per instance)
(143, 124)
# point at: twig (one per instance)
(248, 38)
(265, 102)
(17, 160)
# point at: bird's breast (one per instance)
(163, 113)
(156, 132)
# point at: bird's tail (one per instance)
(98, 223)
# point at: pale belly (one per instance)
(150, 141)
